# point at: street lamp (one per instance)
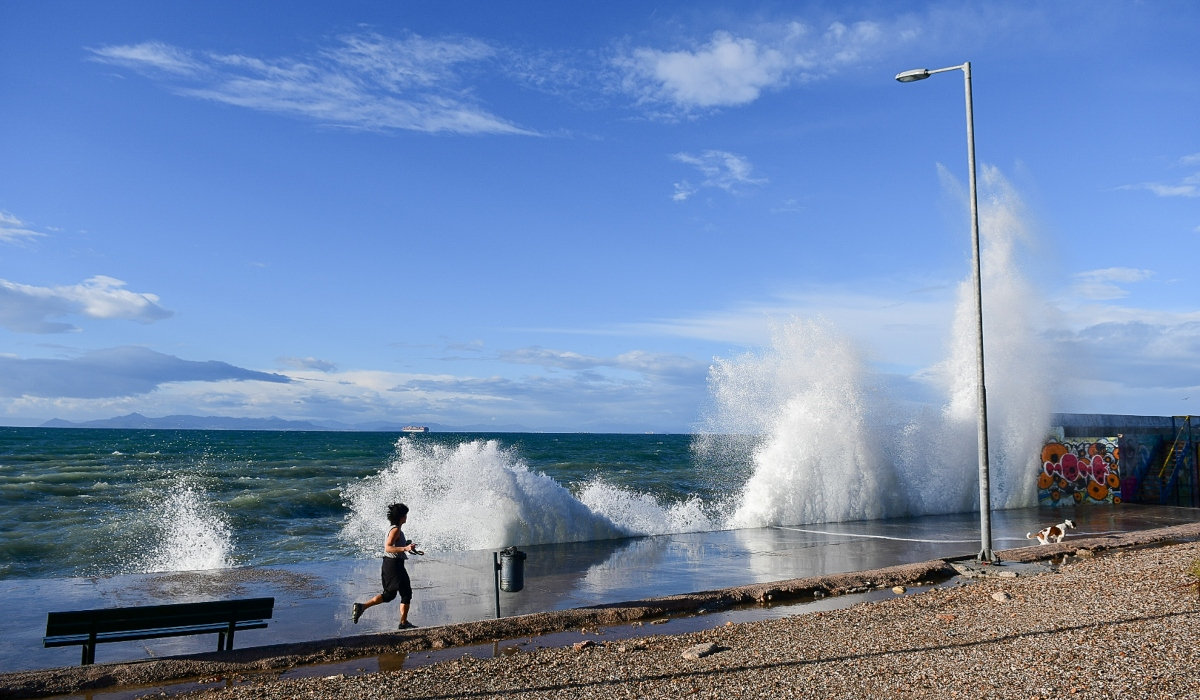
(985, 501)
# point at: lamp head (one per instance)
(909, 76)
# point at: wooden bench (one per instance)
(92, 627)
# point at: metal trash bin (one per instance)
(512, 569)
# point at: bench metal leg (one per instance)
(229, 636)
(89, 650)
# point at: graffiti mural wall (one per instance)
(1078, 471)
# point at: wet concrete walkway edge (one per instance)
(278, 657)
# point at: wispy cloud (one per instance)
(368, 81)
(1103, 284)
(306, 363)
(150, 54)
(730, 70)
(1189, 186)
(123, 371)
(13, 230)
(28, 309)
(659, 365)
(1137, 354)
(721, 169)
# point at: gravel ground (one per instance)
(1120, 625)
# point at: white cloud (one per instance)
(13, 230)
(369, 81)
(307, 363)
(732, 70)
(150, 54)
(636, 390)
(660, 365)
(1137, 354)
(582, 400)
(721, 169)
(28, 309)
(1102, 284)
(683, 190)
(1183, 190)
(1187, 187)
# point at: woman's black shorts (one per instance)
(395, 581)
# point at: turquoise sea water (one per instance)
(77, 502)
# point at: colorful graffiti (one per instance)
(1078, 471)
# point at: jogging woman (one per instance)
(395, 578)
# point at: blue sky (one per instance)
(558, 214)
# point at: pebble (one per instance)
(699, 651)
(1007, 574)
(899, 590)
(585, 644)
(1001, 596)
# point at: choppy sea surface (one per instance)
(84, 502)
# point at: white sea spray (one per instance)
(187, 533)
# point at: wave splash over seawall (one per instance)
(833, 444)
(802, 431)
(479, 495)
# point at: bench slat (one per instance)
(157, 633)
(87, 628)
(157, 616)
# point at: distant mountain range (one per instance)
(185, 422)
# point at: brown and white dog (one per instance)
(1054, 532)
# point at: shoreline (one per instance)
(280, 657)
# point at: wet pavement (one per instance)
(313, 601)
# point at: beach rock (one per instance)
(585, 644)
(700, 651)
(1007, 574)
(1001, 596)
(661, 621)
(899, 590)
(1085, 553)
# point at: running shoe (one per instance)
(356, 612)
(406, 626)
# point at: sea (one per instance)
(87, 502)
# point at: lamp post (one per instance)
(985, 501)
